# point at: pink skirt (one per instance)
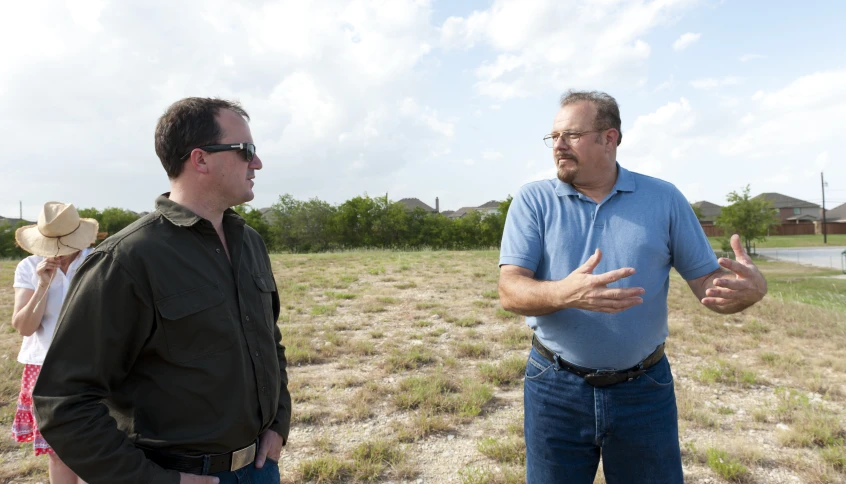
(24, 427)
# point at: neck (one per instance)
(203, 207)
(598, 189)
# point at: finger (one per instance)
(737, 247)
(591, 263)
(737, 267)
(715, 302)
(615, 305)
(732, 283)
(720, 292)
(613, 276)
(618, 293)
(261, 456)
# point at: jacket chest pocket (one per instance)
(195, 323)
(266, 287)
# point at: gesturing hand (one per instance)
(583, 289)
(739, 290)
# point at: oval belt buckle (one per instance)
(242, 458)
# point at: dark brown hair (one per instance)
(607, 111)
(187, 124)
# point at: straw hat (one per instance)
(59, 231)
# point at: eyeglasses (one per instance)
(570, 137)
(249, 150)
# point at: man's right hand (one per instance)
(194, 479)
(583, 289)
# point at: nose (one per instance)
(560, 144)
(256, 163)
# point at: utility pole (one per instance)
(825, 234)
(21, 210)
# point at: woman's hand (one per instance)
(45, 270)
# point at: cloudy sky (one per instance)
(419, 98)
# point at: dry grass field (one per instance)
(404, 368)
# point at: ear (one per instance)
(197, 161)
(611, 137)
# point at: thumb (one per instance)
(591, 263)
(260, 457)
(737, 247)
(213, 480)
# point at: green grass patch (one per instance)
(507, 451)
(467, 349)
(509, 371)
(727, 467)
(323, 310)
(408, 358)
(726, 373)
(467, 322)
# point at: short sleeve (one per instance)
(25, 274)
(521, 238)
(692, 254)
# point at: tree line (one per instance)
(292, 225)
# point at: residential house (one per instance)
(792, 210)
(412, 203)
(836, 214)
(489, 208)
(13, 221)
(708, 211)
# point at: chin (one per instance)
(567, 176)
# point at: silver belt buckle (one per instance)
(242, 458)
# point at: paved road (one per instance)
(828, 257)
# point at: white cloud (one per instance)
(492, 155)
(685, 41)
(324, 83)
(666, 84)
(749, 57)
(604, 38)
(712, 83)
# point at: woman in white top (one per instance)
(59, 242)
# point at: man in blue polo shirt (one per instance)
(586, 258)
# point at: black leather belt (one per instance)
(204, 464)
(601, 378)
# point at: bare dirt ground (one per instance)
(404, 368)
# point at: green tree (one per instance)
(751, 219)
(8, 247)
(255, 219)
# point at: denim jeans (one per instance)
(268, 474)
(568, 424)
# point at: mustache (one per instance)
(565, 156)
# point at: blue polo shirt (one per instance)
(644, 223)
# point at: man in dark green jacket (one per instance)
(168, 365)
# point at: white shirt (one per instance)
(34, 347)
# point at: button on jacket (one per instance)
(179, 343)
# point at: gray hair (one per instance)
(607, 111)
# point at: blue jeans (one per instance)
(268, 474)
(568, 424)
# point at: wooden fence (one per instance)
(788, 229)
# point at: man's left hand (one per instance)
(745, 288)
(270, 446)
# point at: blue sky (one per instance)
(422, 99)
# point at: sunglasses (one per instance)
(249, 150)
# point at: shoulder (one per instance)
(652, 184)
(537, 190)
(135, 234)
(28, 264)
